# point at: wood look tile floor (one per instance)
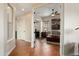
(41, 49)
(22, 48)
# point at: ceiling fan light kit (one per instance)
(54, 13)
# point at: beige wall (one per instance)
(24, 27)
(6, 44)
(2, 29)
(71, 22)
(9, 41)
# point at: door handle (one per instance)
(77, 28)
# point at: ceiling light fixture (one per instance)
(54, 12)
(8, 7)
(53, 15)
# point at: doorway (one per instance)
(47, 23)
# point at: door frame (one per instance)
(61, 30)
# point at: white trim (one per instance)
(62, 30)
(32, 30)
(9, 40)
(27, 40)
(10, 50)
(53, 43)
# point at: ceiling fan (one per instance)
(54, 12)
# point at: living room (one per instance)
(47, 29)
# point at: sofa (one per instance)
(43, 34)
(53, 38)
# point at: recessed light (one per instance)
(8, 7)
(22, 9)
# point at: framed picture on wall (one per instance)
(55, 24)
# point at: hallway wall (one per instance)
(1, 29)
(6, 44)
(24, 27)
(71, 22)
(9, 29)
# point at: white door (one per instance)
(71, 23)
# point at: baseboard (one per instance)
(32, 46)
(27, 40)
(53, 43)
(10, 51)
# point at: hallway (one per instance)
(42, 49)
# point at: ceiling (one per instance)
(42, 9)
(46, 9)
(26, 6)
(38, 5)
(22, 8)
